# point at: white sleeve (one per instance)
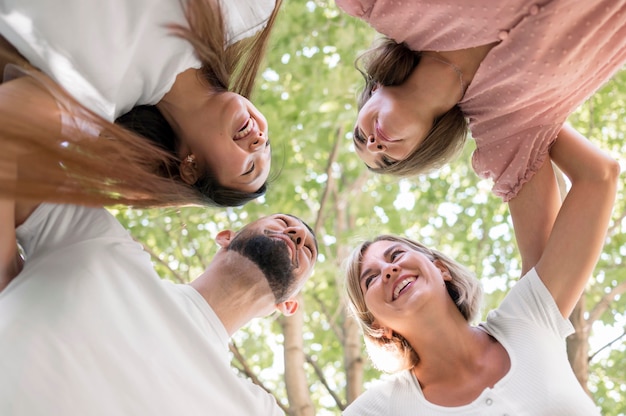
(244, 18)
(530, 300)
(53, 226)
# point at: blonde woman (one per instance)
(175, 74)
(415, 306)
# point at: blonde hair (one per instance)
(389, 63)
(117, 165)
(395, 353)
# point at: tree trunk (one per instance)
(353, 359)
(300, 403)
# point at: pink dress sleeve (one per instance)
(512, 161)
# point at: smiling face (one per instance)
(229, 138)
(389, 128)
(283, 248)
(396, 281)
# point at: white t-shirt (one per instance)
(113, 55)
(540, 382)
(88, 328)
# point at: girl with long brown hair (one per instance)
(175, 76)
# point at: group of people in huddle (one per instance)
(147, 103)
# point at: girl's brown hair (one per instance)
(131, 162)
(389, 63)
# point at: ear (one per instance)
(387, 332)
(224, 238)
(189, 170)
(445, 273)
(288, 307)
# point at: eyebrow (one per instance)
(386, 254)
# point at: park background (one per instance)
(314, 362)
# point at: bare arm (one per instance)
(18, 96)
(577, 237)
(533, 212)
(10, 261)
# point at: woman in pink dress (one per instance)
(510, 72)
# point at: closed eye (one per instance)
(358, 137)
(368, 281)
(395, 254)
(249, 171)
(386, 161)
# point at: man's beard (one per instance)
(272, 257)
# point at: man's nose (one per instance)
(297, 235)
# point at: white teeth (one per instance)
(247, 128)
(401, 286)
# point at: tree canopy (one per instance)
(308, 94)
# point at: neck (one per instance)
(452, 359)
(188, 93)
(449, 66)
(433, 87)
(463, 62)
(234, 301)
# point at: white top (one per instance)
(113, 55)
(88, 328)
(540, 382)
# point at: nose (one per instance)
(374, 146)
(389, 271)
(297, 234)
(257, 142)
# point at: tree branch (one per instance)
(157, 259)
(331, 318)
(330, 181)
(320, 375)
(607, 345)
(245, 368)
(604, 303)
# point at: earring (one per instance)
(191, 159)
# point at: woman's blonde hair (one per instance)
(132, 162)
(395, 353)
(389, 63)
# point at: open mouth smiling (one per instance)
(401, 286)
(247, 128)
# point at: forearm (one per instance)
(580, 228)
(10, 259)
(533, 212)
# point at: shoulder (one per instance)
(386, 396)
(529, 301)
(59, 225)
(356, 8)
(245, 19)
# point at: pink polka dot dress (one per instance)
(551, 56)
